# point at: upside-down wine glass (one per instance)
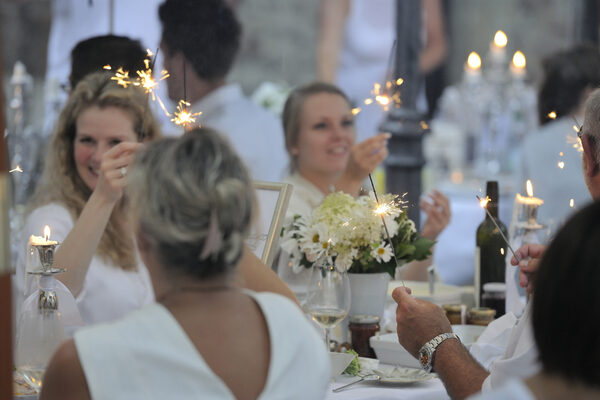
(328, 297)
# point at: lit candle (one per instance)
(517, 67)
(473, 67)
(531, 204)
(42, 241)
(45, 248)
(498, 46)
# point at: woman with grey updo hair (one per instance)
(205, 337)
(197, 223)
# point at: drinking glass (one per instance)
(328, 297)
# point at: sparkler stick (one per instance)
(143, 133)
(499, 230)
(387, 233)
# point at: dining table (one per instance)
(432, 389)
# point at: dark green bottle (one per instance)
(490, 251)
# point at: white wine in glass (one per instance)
(328, 297)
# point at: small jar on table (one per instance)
(361, 328)
(456, 313)
(481, 316)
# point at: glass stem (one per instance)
(327, 339)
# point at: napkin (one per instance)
(493, 341)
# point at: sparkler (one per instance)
(182, 116)
(381, 209)
(483, 203)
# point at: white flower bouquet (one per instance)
(349, 233)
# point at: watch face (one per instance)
(424, 357)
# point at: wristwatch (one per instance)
(427, 351)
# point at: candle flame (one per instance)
(572, 203)
(424, 125)
(474, 61)
(552, 115)
(483, 202)
(500, 39)
(502, 250)
(15, 169)
(519, 60)
(47, 233)
(560, 154)
(529, 186)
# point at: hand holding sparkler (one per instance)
(364, 158)
(530, 257)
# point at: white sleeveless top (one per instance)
(148, 355)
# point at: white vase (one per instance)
(368, 293)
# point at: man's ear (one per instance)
(589, 160)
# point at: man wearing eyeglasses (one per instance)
(425, 332)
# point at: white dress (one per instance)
(157, 360)
(109, 292)
(255, 133)
(369, 33)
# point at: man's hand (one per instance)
(530, 256)
(418, 321)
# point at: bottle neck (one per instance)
(493, 210)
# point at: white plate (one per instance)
(400, 375)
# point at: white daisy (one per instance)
(382, 253)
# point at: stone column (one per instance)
(404, 122)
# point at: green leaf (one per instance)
(422, 248)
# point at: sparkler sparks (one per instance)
(387, 96)
(182, 116)
(15, 169)
(356, 110)
(122, 77)
(483, 202)
(572, 203)
(379, 210)
(552, 115)
(575, 142)
(561, 164)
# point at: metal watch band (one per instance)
(427, 351)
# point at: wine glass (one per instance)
(328, 297)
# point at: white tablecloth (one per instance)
(371, 390)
